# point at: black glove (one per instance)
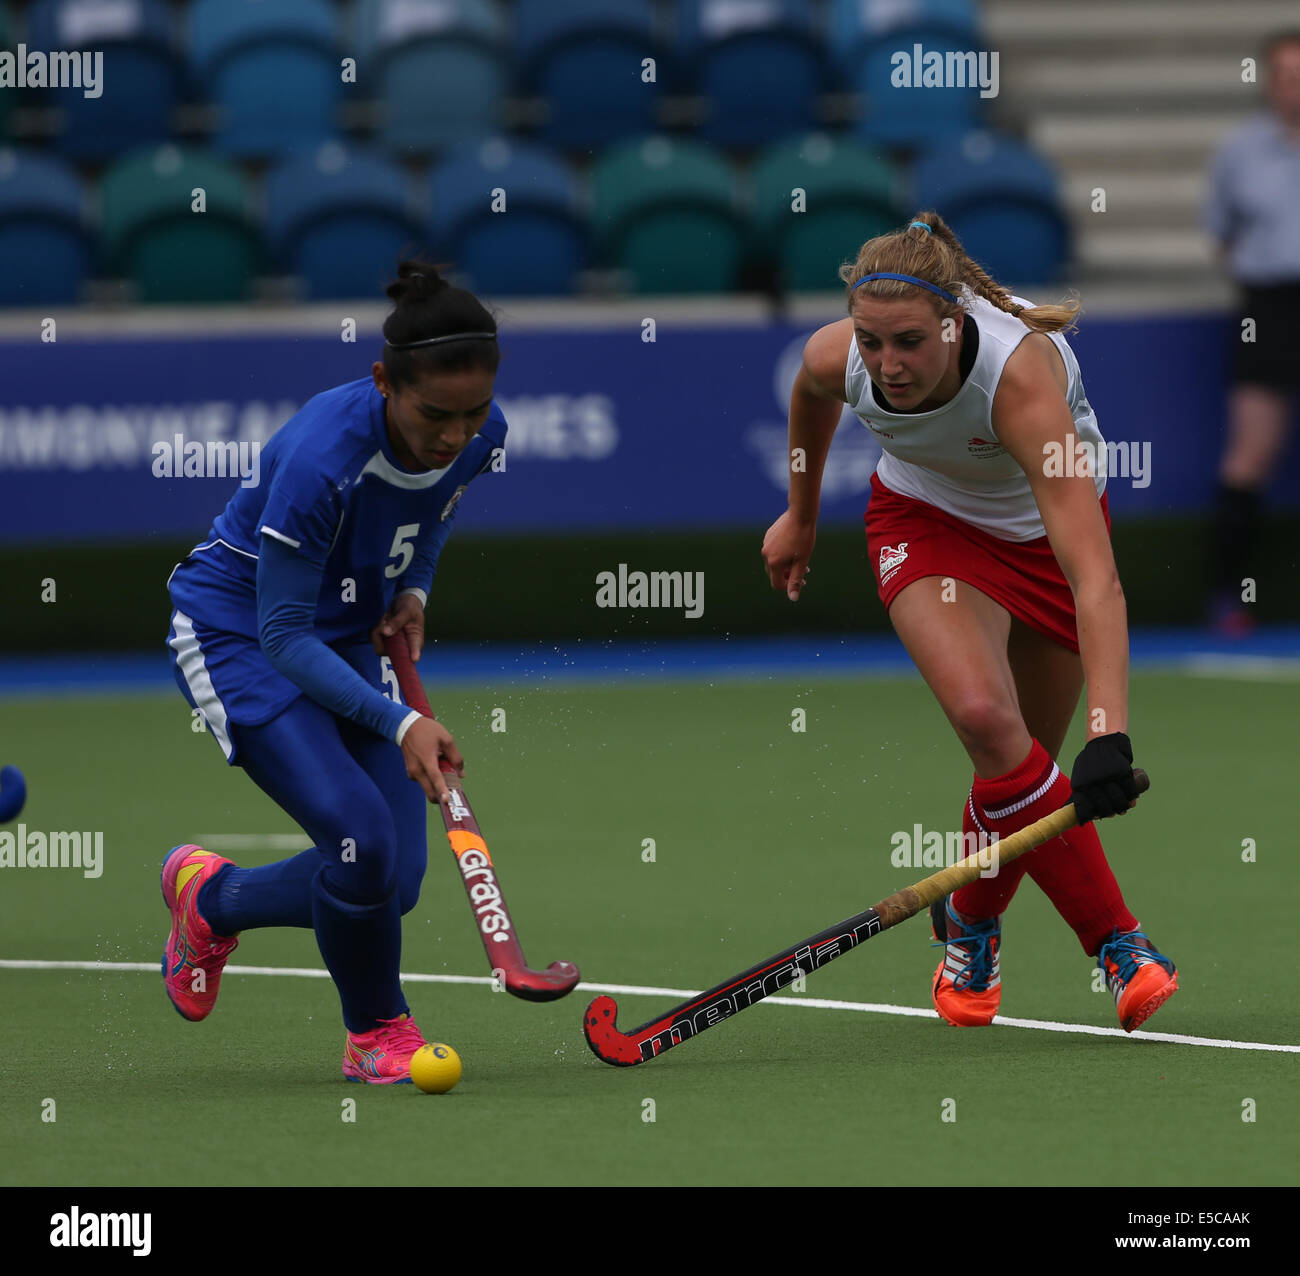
(1102, 780)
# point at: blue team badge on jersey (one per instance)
(451, 504)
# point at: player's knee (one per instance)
(408, 887)
(983, 722)
(362, 864)
(352, 892)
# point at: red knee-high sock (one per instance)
(1002, 805)
(1071, 870)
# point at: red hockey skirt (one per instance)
(908, 539)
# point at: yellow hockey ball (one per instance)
(435, 1068)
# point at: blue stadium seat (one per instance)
(534, 247)
(731, 46)
(851, 24)
(272, 70)
(1001, 200)
(584, 59)
(868, 36)
(43, 240)
(340, 219)
(440, 69)
(142, 78)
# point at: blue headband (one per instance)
(908, 279)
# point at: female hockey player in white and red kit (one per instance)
(995, 566)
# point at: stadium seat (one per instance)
(141, 76)
(340, 219)
(730, 47)
(152, 234)
(440, 69)
(272, 70)
(1001, 200)
(851, 24)
(850, 194)
(535, 245)
(868, 35)
(667, 212)
(584, 59)
(43, 241)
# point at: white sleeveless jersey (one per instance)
(950, 457)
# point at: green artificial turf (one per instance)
(761, 835)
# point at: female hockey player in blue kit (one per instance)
(276, 639)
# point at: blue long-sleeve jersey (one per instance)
(309, 560)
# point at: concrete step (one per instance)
(1143, 251)
(1133, 96)
(1137, 200)
(1120, 85)
(1115, 23)
(1163, 139)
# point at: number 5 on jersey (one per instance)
(388, 675)
(403, 549)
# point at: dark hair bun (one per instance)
(417, 281)
(427, 306)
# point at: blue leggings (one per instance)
(349, 791)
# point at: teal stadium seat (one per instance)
(271, 69)
(667, 211)
(44, 242)
(151, 235)
(440, 70)
(850, 194)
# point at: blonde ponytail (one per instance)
(928, 249)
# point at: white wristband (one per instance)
(419, 593)
(412, 717)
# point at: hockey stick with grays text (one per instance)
(495, 926)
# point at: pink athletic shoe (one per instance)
(194, 957)
(382, 1056)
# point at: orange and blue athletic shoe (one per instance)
(967, 986)
(1140, 979)
(194, 957)
(382, 1056)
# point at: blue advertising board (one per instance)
(608, 432)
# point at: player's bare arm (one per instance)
(1029, 415)
(816, 403)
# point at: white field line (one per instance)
(254, 842)
(639, 990)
